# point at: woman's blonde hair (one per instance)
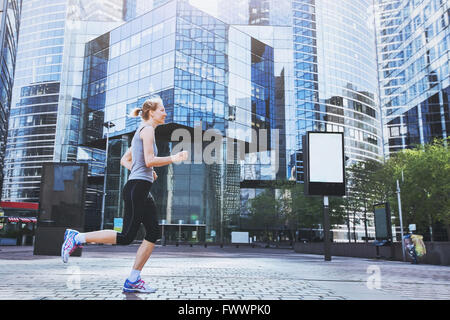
(150, 104)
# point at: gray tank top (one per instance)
(138, 169)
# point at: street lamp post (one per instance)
(107, 125)
(326, 229)
(401, 219)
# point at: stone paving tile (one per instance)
(219, 275)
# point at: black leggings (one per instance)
(139, 208)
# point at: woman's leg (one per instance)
(102, 236)
(131, 223)
(133, 196)
(74, 239)
(134, 282)
(143, 254)
(152, 233)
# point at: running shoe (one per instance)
(69, 245)
(138, 286)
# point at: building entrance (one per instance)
(183, 233)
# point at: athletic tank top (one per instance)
(138, 169)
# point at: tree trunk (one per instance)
(431, 229)
(291, 237)
(365, 220)
(348, 228)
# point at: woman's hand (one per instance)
(180, 156)
(155, 176)
(126, 160)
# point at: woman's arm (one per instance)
(148, 136)
(126, 160)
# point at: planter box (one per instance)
(8, 241)
(438, 253)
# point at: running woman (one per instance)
(139, 204)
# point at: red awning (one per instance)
(20, 219)
(19, 205)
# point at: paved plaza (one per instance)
(214, 273)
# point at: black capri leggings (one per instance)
(139, 208)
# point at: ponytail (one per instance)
(135, 112)
(149, 105)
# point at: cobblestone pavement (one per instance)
(198, 273)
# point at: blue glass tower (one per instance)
(206, 72)
(413, 43)
(10, 12)
(335, 72)
(45, 112)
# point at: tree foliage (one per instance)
(292, 210)
(363, 191)
(423, 174)
(424, 178)
(264, 210)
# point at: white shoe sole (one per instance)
(127, 290)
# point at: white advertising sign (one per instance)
(325, 158)
(239, 237)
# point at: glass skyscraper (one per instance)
(334, 69)
(336, 81)
(413, 40)
(45, 112)
(290, 65)
(207, 72)
(332, 83)
(134, 8)
(10, 12)
(271, 22)
(257, 173)
(256, 12)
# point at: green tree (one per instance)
(287, 215)
(364, 190)
(307, 211)
(264, 212)
(424, 177)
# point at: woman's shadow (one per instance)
(131, 296)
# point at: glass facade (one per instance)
(334, 69)
(46, 102)
(336, 75)
(258, 167)
(134, 8)
(413, 43)
(207, 73)
(32, 122)
(10, 12)
(285, 66)
(256, 12)
(280, 39)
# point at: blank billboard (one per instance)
(326, 158)
(324, 163)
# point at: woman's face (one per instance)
(159, 115)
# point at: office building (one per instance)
(207, 73)
(10, 12)
(413, 41)
(44, 122)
